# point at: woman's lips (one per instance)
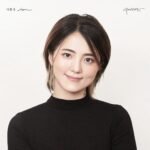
(73, 78)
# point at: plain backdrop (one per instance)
(24, 26)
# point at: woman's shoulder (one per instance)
(29, 113)
(117, 110)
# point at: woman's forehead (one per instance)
(76, 43)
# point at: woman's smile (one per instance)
(73, 78)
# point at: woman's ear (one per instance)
(50, 58)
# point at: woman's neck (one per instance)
(69, 96)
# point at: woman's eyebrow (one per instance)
(85, 54)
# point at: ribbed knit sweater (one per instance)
(81, 124)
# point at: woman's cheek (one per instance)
(92, 71)
(63, 65)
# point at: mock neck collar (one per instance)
(59, 103)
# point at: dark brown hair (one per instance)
(93, 32)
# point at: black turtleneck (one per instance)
(80, 124)
(61, 104)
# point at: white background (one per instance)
(22, 71)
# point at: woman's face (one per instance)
(74, 66)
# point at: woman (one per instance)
(76, 54)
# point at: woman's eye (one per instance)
(89, 60)
(67, 55)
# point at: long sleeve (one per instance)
(122, 131)
(16, 137)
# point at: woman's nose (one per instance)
(76, 66)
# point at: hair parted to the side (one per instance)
(93, 32)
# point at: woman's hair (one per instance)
(94, 34)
